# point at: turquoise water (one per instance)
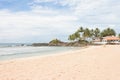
(7, 53)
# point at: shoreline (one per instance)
(57, 50)
(80, 49)
(92, 63)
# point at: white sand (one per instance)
(94, 63)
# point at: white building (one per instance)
(111, 39)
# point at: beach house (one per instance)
(111, 40)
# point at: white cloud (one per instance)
(44, 21)
(92, 11)
(29, 24)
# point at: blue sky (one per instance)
(43, 20)
(15, 5)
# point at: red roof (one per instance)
(111, 38)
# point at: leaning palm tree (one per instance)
(87, 33)
(80, 31)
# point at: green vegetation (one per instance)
(108, 32)
(82, 37)
(55, 41)
(84, 34)
(119, 35)
(96, 32)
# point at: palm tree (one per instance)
(79, 32)
(77, 35)
(80, 29)
(108, 32)
(71, 37)
(119, 35)
(112, 32)
(92, 34)
(86, 33)
(97, 32)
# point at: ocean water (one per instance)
(12, 51)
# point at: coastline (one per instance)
(11, 53)
(92, 63)
(54, 54)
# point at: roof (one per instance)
(111, 38)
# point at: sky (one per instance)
(29, 21)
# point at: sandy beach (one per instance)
(92, 63)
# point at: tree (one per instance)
(108, 32)
(71, 37)
(80, 29)
(76, 35)
(119, 35)
(92, 33)
(86, 33)
(55, 41)
(97, 32)
(112, 32)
